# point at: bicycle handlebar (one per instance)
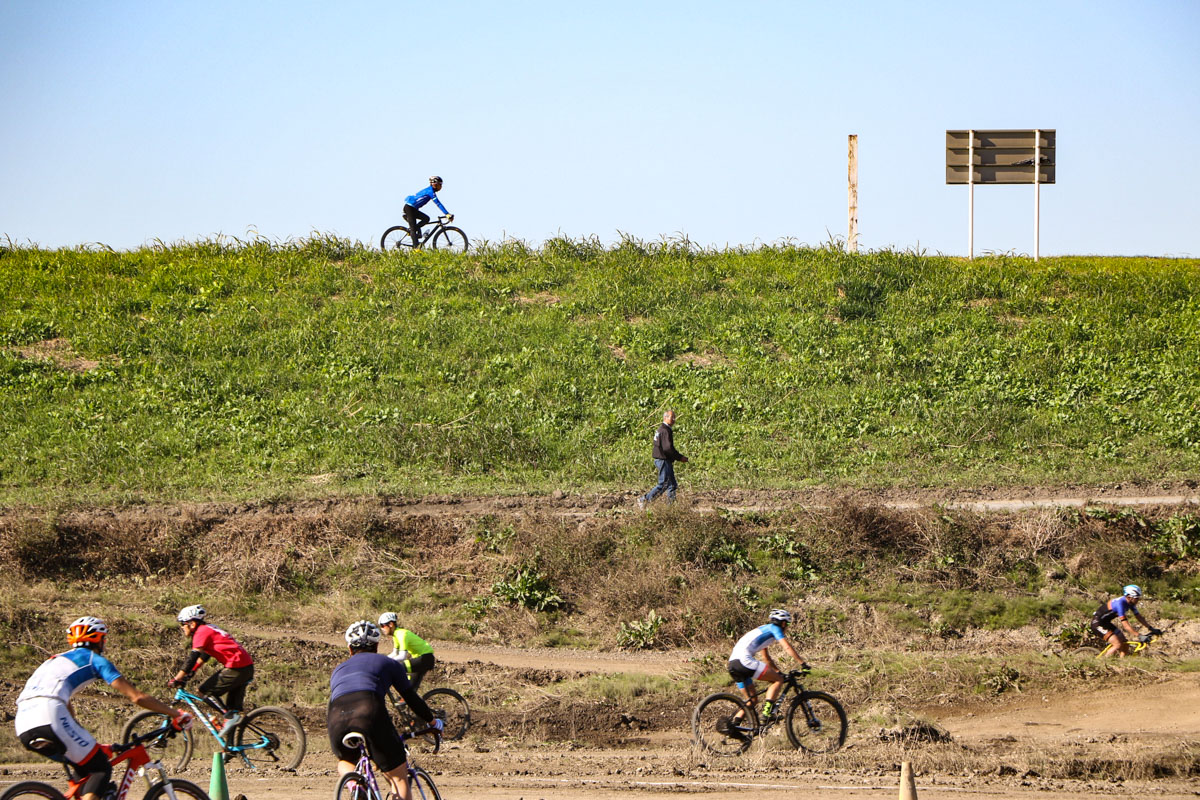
(169, 729)
(437, 738)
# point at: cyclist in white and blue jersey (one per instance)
(45, 720)
(746, 667)
(412, 204)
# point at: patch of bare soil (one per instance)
(60, 352)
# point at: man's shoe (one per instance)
(726, 727)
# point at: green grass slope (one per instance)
(236, 369)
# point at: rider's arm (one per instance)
(195, 659)
(792, 652)
(439, 204)
(144, 700)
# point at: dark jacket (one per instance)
(664, 446)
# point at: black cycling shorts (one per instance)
(365, 713)
(742, 675)
(1102, 628)
(95, 772)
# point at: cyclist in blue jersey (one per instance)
(45, 719)
(357, 688)
(745, 667)
(412, 204)
(1110, 617)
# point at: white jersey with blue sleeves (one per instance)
(748, 646)
(61, 676)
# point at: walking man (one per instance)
(665, 456)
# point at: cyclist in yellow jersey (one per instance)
(408, 648)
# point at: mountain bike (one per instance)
(1137, 647)
(137, 762)
(726, 725)
(446, 704)
(362, 785)
(439, 236)
(267, 736)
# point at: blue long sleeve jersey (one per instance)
(424, 196)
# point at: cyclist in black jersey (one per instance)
(1110, 618)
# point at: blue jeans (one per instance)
(666, 481)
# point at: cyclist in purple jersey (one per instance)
(412, 204)
(1110, 617)
(357, 688)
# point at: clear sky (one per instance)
(125, 122)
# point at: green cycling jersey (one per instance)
(406, 641)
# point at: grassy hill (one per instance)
(236, 370)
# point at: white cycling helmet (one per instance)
(1133, 591)
(363, 633)
(780, 615)
(190, 613)
(388, 616)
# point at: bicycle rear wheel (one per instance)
(31, 790)
(1086, 651)
(275, 738)
(724, 725)
(816, 723)
(352, 786)
(396, 237)
(173, 752)
(423, 786)
(452, 240)
(451, 708)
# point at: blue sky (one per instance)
(128, 122)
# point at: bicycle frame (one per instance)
(431, 229)
(364, 768)
(192, 701)
(139, 763)
(790, 683)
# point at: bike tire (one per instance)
(359, 791)
(710, 713)
(32, 789)
(451, 240)
(181, 788)
(451, 708)
(1086, 651)
(281, 732)
(173, 752)
(426, 788)
(396, 237)
(816, 723)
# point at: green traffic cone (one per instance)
(218, 789)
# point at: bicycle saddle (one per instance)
(354, 740)
(41, 744)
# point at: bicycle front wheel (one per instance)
(724, 725)
(816, 723)
(352, 786)
(173, 752)
(31, 790)
(179, 788)
(273, 737)
(451, 708)
(452, 240)
(396, 237)
(423, 786)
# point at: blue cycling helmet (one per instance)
(1133, 591)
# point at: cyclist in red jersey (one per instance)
(227, 685)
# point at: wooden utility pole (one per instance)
(852, 234)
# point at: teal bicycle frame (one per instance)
(263, 741)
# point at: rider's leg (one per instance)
(415, 219)
(418, 667)
(1116, 644)
(774, 689)
(398, 777)
(95, 773)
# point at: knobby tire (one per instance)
(32, 789)
(174, 752)
(825, 732)
(181, 788)
(709, 715)
(283, 732)
(423, 786)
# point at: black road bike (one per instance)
(437, 236)
(726, 725)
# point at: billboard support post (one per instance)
(852, 172)
(971, 196)
(1037, 192)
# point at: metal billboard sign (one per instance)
(996, 157)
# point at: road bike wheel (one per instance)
(816, 723)
(181, 789)
(424, 786)
(452, 240)
(395, 238)
(279, 733)
(173, 752)
(31, 790)
(720, 729)
(352, 786)
(1086, 651)
(451, 708)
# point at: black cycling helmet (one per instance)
(434, 179)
